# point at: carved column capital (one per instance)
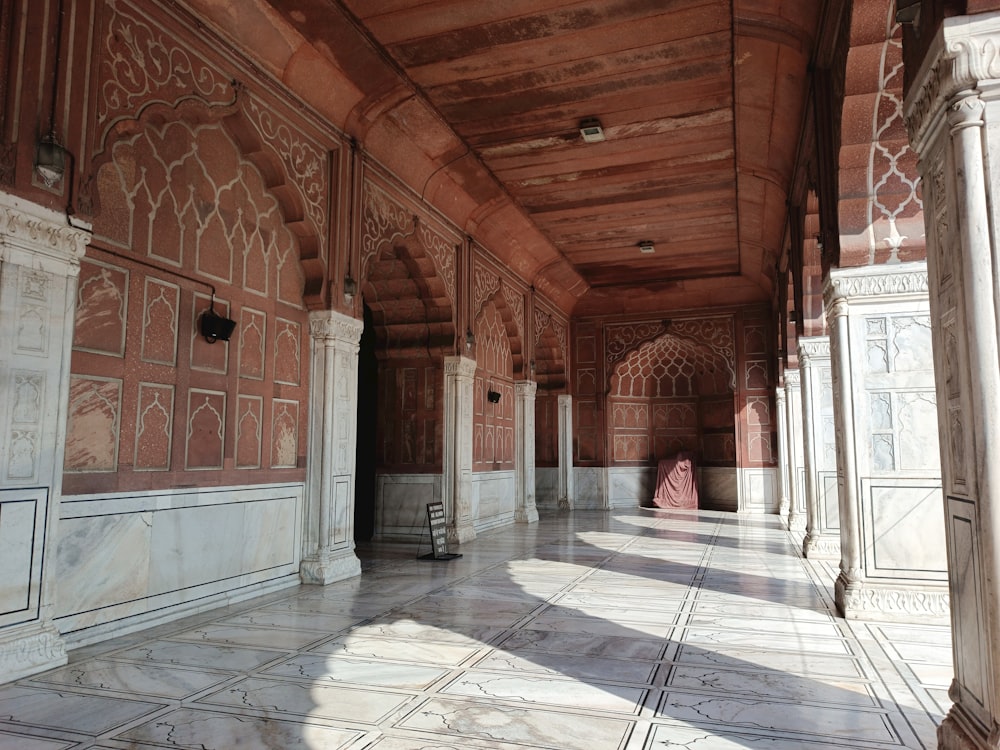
(31, 235)
(331, 326)
(461, 367)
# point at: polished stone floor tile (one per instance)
(204, 730)
(637, 629)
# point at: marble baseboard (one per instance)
(131, 560)
(589, 483)
(819, 546)
(29, 648)
(759, 490)
(401, 503)
(547, 488)
(631, 486)
(927, 603)
(492, 499)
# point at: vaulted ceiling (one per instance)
(701, 103)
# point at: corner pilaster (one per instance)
(459, 376)
(328, 536)
(39, 268)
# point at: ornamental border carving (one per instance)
(815, 348)
(962, 54)
(328, 324)
(34, 231)
(793, 378)
(842, 286)
(460, 367)
(861, 598)
(131, 43)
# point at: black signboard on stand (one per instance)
(439, 534)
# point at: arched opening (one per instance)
(671, 395)
(409, 322)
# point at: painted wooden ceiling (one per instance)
(701, 103)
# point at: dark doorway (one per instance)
(364, 480)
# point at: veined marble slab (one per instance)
(11, 741)
(548, 691)
(470, 635)
(250, 636)
(791, 662)
(571, 665)
(753, 640)
(773, 717)
(554, 641)
(276, 618)
(791, 628)
(599, 627)
(203, 730)
(338, 669)
(671, 737)
(200, 655)
(157, 681)
(773, 684)
(285, 699)
(401, 650)
(539, 728)
(74, 712)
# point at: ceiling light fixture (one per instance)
(591, 130)
(646, 247)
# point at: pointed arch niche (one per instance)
(407, 284)
(670, 395)
(152, 403)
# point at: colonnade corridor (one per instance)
(631, 629)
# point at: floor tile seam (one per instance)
(562, 677)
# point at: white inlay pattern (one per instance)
(634, 630)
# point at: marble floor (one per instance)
(638, 629)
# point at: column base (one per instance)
(329, 567)
(461, 534)
(955, 733)
(30, 649)
(821, 547)
(862, 600)
(565, 504)
(526, 515)
(796, 522)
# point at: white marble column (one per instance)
(328, 536)
(953, 114)
(796, 460)
(459, 376)
(784, 504)
(822, 540)
(524, 452)
(567, 493)
(893, 563)
(39, 267)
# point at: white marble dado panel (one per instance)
(829, 500)
(589, 484)
(128, 560)
(760, 490)
(402, 504)
(901, 511)
(547, 488)
(629, 487)
(22, 537)
(718, 488)
(492, 499)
